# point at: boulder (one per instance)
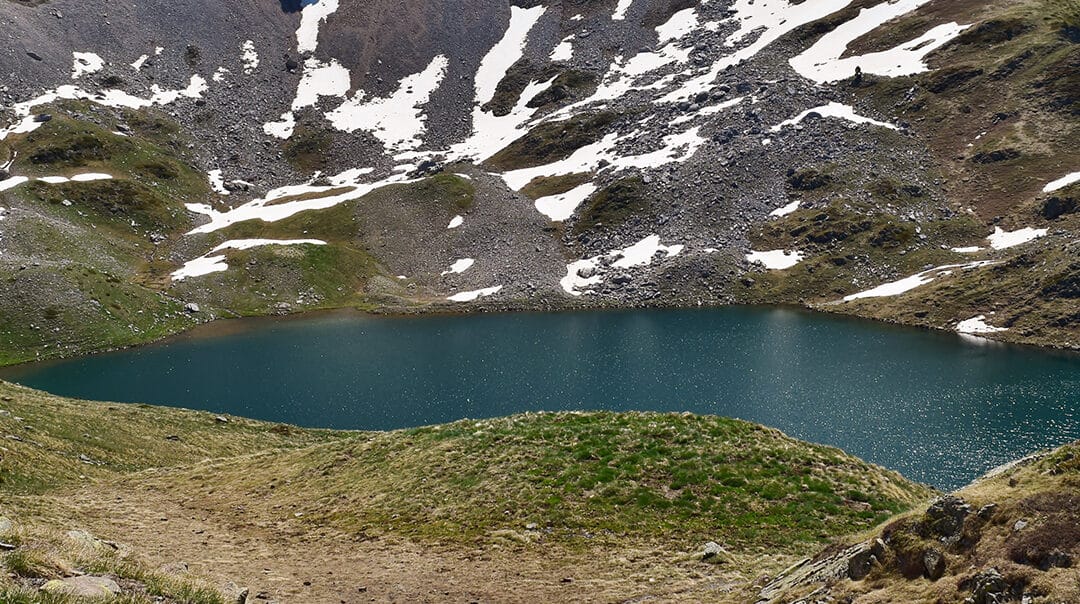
(945, 517)
(989, 587)
(1058, 206)
(933, 564)
(713, 552)
(88, 586)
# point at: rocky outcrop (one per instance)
(1020, 547)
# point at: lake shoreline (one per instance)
(223, 325)
(778, 366)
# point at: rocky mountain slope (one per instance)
(912, 161)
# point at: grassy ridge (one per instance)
(574, 478)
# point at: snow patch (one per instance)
(398, 120)
(678, 26)
(561, 207)
(473, 295)
(642, 252)
(564, 51)
(835, 110)
(459, 266)
(12, 182)
(1001, 240)
(321, 79)
(86, 63)
(272, 208)
(88, 177)
(776, 259)
(895, 288)
(249, 57)
(788, 209)
(455, 222)
(109, 98)
(506, 52)
(1062, 182)
(138, 64)
(977, 325)
(620, 10)
(822, 62)
(966, 250)
(209, 263)
(311, 19)
(282, 128)
(771, 19)
(591, 271)
(217, 182)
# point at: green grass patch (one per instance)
(552, 141)
(307, 149)
(543, 186)
(613, 205)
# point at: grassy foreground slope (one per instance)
(576, 492)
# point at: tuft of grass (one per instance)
(46, 553)
(543, 186)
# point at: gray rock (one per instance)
(860, 564)
(87, 540)
(191, 307)
(587, 272)
(88, 586)
(1020, 525)
(6, 525)
(712, 550)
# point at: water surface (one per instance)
(933, 406)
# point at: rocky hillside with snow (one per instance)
(164, 164)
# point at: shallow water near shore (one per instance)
(939, 408)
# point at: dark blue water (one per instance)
(933, 406)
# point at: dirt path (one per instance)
(226, 543)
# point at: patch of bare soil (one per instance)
(228, 544)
